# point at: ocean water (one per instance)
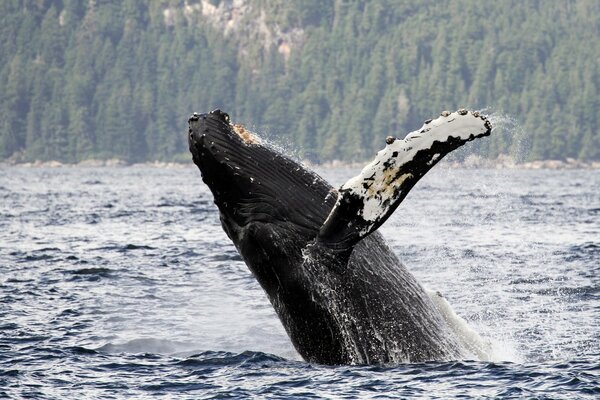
(119, 282)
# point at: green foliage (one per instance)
(103, 79)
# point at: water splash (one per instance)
(510, 131)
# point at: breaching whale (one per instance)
(341, 293)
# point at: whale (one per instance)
(341, 293)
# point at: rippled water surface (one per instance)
(119, 282)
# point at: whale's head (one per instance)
(269, 203)
(226, 160)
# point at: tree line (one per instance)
(101, 79)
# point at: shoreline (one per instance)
(471, 162)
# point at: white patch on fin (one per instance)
(435, 157)
(379, 183)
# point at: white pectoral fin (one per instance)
(367, 200)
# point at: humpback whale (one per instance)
(340, 292)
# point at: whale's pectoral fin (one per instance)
(367, 200)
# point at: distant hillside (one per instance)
(331, 78)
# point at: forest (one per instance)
(328, 79)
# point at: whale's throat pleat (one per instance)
(270, 187)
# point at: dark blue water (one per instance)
(119, 282)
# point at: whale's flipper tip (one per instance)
(367, 200)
